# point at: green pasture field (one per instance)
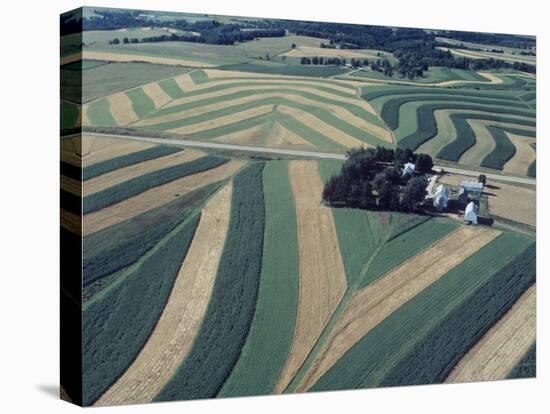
(266, 348)
(69, 114)
(527, 366)
(438, 321)
(114, 77)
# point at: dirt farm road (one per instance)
(299, 153)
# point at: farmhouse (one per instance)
(470, 213)
(441, 197)
(408, 169)
(472, 186)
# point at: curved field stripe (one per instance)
(352, 114)
(117, 323)
(104, 149)
(226, 324)
(134, 186)
(427, 127)
(70, 114)
(503, 346)
(401, 335)
(136, 57)
(527, 366)
(157, 95)
(399, 249)
(371, 305)
(156, 197)
(504, 150)
(532, 170)
(99, 113)
(121, 109)
(122, 175)
(268, 133)
(525, 154)
(116, 247)
(485, 145)
(185, 82)
(173, 336)
(116, 163)
(71, 222)
(322, 274)
(171, 88)
(142, 104)
(218, 121)
(390, 110)
(72, 186)
(266, 349)
(374, 93)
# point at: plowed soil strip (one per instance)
(322, 127)
(179, 323)
(155, 92)
(121, 57)
(223, 120)
(498, 351)
(124, 174)
(121, 109)
(525, 155)
(156, 197)
(322, 275)
(377, 301)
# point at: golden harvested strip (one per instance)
(71, 222)
(524, 156)
(503, 346)
(155, 197)
(121, 109)
(99, 149)
(179, 323)
(322, 275)
(322, 127)
(377, 301)
(157, 95)
(273, 135)
(121, 175)
(223, 120)
(71, 185)
(485, 143)
(514, 203)
(75, 57)
(339, 111)
(185, 82)
(121, 57)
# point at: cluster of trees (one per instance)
(371, 179)
(336, 61)
(508, 40)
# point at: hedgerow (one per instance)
(527, 365)
(117, 324)
(104, 167)
(390, 109)
(468, 299)
(134, 186)
(503, 151)
(118, 246)
(427, 125)
(435, 355)
(227, 320)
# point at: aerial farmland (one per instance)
(269, 206)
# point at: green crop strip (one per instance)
(113, 164)
(99, 113)
(429, 333)
(374, 93)
(117, 324)
(503, 151)
(266, 348)
(527, 366)
(171, 88)
(69, 114)
(142, 104)
(137, 185)
(71, 171)
(229, 315)
(120, 245)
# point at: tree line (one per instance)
(371, 178)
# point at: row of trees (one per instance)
(372, 179)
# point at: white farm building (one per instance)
(472, 186)
(470, 213)
(441, 197)
(408, 169)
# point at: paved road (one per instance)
(312, 154)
